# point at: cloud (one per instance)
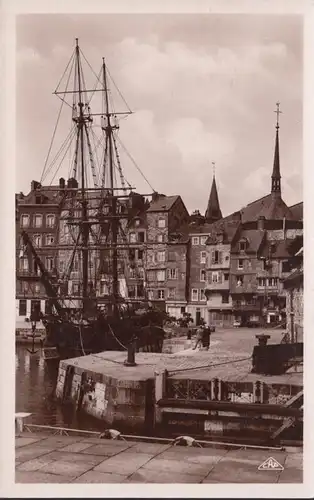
(203, 89)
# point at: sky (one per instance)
(203, 89)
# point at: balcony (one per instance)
(246, 307)
(224, 285)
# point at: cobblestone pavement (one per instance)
(42, 458)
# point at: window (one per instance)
(49, 263)
(171, 293)
(203, 275)
(160, 238)
(141, 236)
(137, 222)
(272, 281)
(161, 256)
(38, 220)
(48, 307)
(202, 295)
(139, 290)
(216, 257)
(76, 288)
(161, 222)
(23, 264)
(203, 240)
(161, 294)
(61, 266)
(150, 294)
(182, 310)
(131, 291)
(194, 294)
(225, 298)
(75, 265)
(203, 257)
(226, 276)
(22, 307)
(24, 220)
(140, 254)
(240, 280)
(37, 288)
(240, 264)
(103, 288)
(37, 240)
(132, 237)
(151, 275)
(161, 275)
(38, 199)
(215, 277)
(172, 274)
(50, 239)
(242, 246)
(195, 240)
(50, 220)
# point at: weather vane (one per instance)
(277, 113)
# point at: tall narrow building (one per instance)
(213, 211)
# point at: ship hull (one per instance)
(66, 340)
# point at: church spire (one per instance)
(213, 211)
(275, 178)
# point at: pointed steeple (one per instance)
(275, 178)
(213, 211)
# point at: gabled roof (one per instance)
(297, 210)
(279, 249)
(253, 237)
(163, 203)
(226, 226)
(271, 206)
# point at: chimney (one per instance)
(261, 222)
(237, 216)
(62, 183)
(35, 185)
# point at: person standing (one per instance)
(206, 337)
(199, 336)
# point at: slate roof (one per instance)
(279, 249)
(163, 203)
(213, 211)
(254, 238)
(227, 226)
(271, 206)
(297, 210)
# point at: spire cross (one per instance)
(214, 167)
(277, 113)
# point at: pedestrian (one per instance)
(199, 336)
(206, 337)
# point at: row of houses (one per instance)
(227, 270)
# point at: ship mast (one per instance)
(81, 127)
(108, 126)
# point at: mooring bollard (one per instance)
(130, 361)
(262, 339)
(160, 390)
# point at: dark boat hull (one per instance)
(66, 340)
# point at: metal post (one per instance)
(160, 392)
(292, 327)
(130, 361)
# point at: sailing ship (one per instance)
(87, 288)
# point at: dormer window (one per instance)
(243, 245)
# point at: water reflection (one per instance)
(35, 389)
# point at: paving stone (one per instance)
(23, 441)
(294, 461)
(74, 457)
(179, 467)
(75, 447)
(236, 472)
(150, 448)
(99, 477)
(66, 468)
(259, 456)
(153, 476)
(30, 452)
(105, 450)
(36, 464)
(210, 457)
(59, 441)
(124, 463)
(291, 476)
(38, 477)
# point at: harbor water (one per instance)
(35, 387)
